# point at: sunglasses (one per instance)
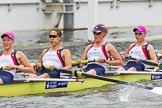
(52, 36)
(95, 33)
(138, 33)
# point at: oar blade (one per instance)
(157, 90)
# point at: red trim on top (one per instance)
(132, 47)
(13, 59)
(144, 51)
(104, 51)
(60, 58)
(46, 51)
(89, 48)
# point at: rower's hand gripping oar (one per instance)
(149, 63)
(83, 62)
(156, 90)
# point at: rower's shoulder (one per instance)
(150, 46)
(65, 50)
(45, 50)
(88, 46)
(19, 52)
(109, 44)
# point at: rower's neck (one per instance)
(98, 44)
(56, 47)
(7, 52)
(141, 43)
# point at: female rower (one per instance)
(141, 50)
(100, 51)
(54, 57)
(10, 60)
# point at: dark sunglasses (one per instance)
(95, 33)
(52, 36)
(138, 33)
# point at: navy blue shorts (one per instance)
(6, 77)
(139, 66)
(52, 74)
(98, 68)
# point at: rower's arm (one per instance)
(126, 53)
(68, 59)
(152, 55)
(41, 56)
(27, 67)
(84, 55)
(112, 51)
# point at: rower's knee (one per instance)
(120, 69)
(44, 76)
(1, 81)
(92, 71)
(132, 69)
(32, 76)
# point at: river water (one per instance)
(115, 96)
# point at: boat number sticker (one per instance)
(56, 84)
(156, 76)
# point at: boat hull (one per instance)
(32, 88)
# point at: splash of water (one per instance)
(125, 92)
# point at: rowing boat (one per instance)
(41, 86)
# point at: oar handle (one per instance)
(3, 68)
(149, 63)
(49, 67)
(83, 62)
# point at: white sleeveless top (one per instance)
(7, 60)
(137, 52)
(96, 53)
(51, 58)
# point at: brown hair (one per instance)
(59, 33)
(106, 29)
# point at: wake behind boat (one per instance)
(25, 86)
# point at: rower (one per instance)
(10, 60)
(54, 57)
(141, 50)
(101, 51)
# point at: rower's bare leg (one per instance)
(132, 69)
(1, 82)
(92, 72)
(44, 76)
(120, 69)
(32, 76)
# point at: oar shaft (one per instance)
(147, 62)
(79, 73)
(117, 81)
